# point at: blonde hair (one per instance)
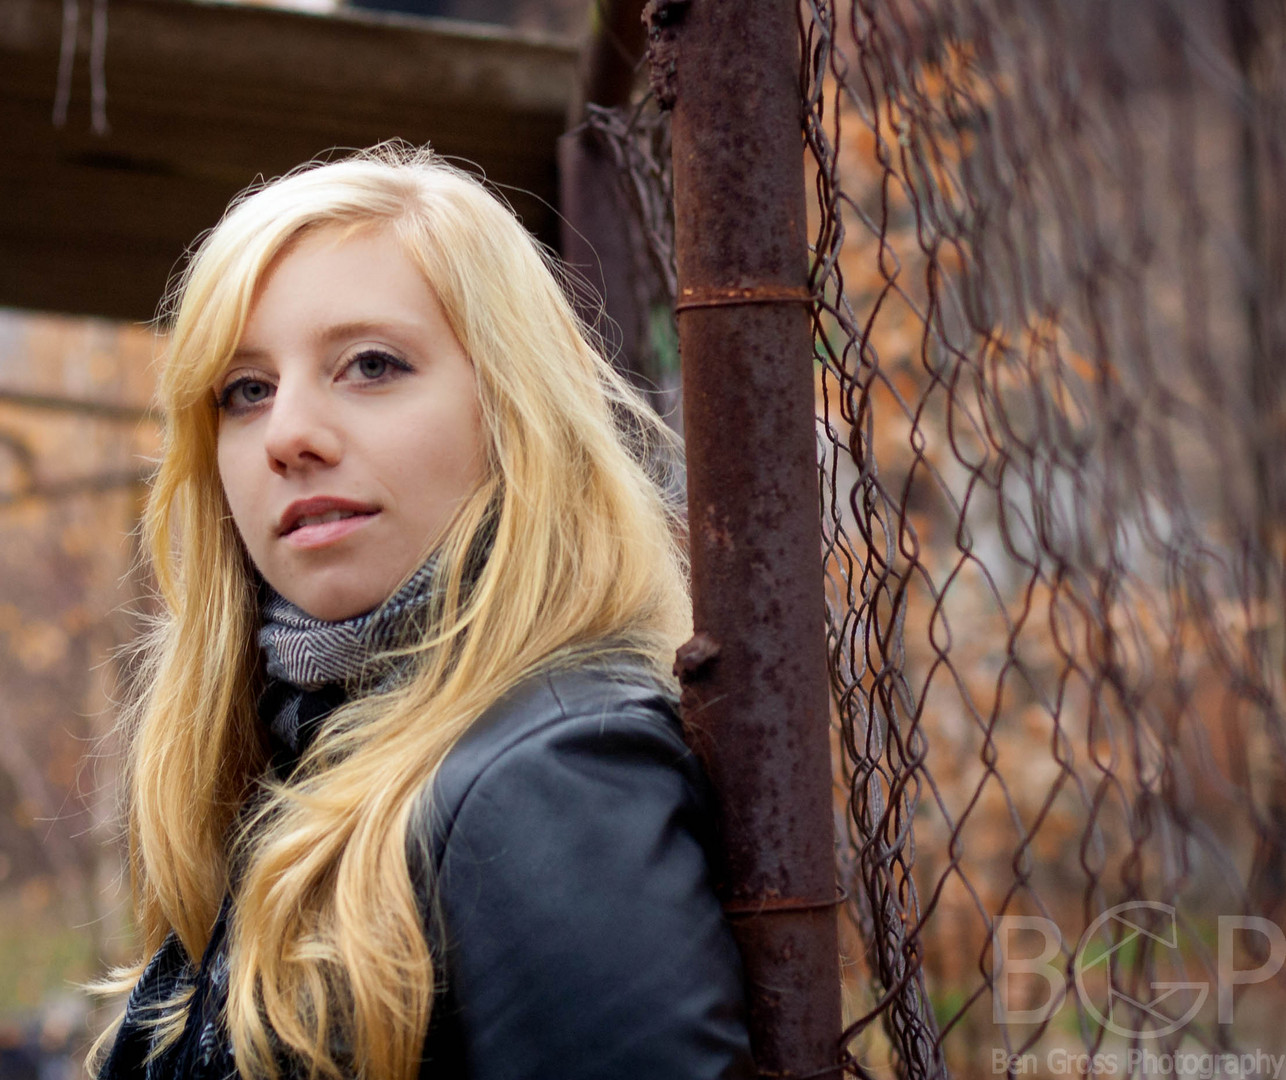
(327, 941)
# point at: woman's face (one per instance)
(348, 422)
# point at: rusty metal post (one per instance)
(754, 676)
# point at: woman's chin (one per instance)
(335, 603)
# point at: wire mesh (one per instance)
(1047, 324)
(1049, 272)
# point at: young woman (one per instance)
(407, 794)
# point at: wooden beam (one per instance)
(204, 97)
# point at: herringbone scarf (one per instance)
(313, 666)
(309, 653)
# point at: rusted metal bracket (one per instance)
(772, 905)
(693, 656)
(663, 19)
(694, 296)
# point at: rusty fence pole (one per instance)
(754, 675)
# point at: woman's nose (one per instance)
(301, 433)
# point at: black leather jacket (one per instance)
(584, 938)
(578, 926)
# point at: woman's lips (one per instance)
(322, 520)
(320, 533)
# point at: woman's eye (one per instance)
(374, 365)
(244, 394)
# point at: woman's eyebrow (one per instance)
(325, 335)
(358, 327)
(245, 353)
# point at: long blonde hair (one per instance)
(327, 942)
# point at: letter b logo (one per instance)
(1011, 949)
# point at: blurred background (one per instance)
(125, 128)
(1049, 312)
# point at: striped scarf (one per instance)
(313, 667)
(353, 654)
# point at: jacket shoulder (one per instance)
(577, 924)
(548, 713)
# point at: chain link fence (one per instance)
(1048, 316)
(1049, 280)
